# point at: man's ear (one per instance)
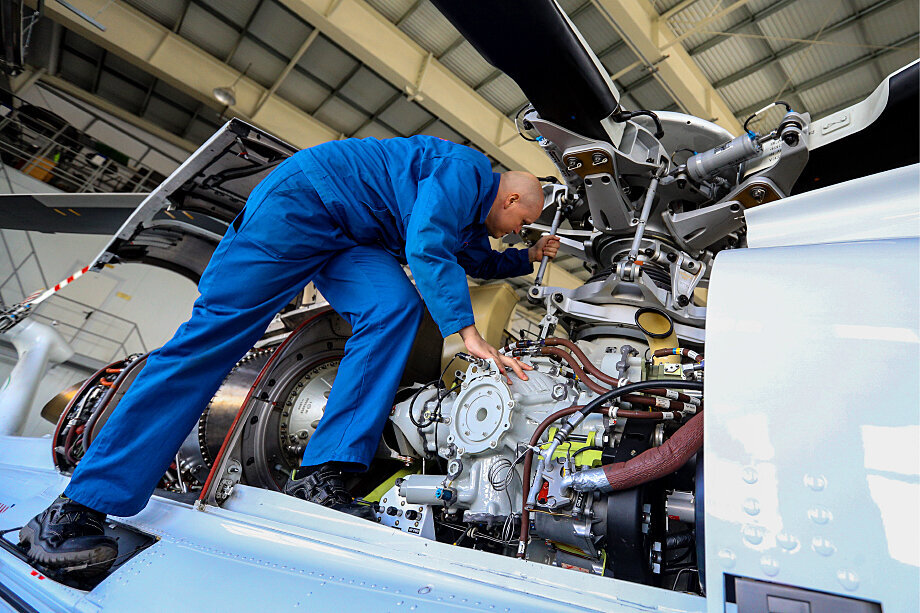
(511, 199)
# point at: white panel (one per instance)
(811, 469)
(876, 207)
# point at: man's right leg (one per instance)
(245, 284)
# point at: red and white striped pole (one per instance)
(10, 317)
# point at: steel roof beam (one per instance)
(659, 49)
(832, 74)
(795, 47)
(385, 49)
(164, 54)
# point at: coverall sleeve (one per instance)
(445, 204)
(481, 261)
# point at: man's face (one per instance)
(509, 217)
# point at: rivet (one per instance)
(787, 541)
(751, 506)
(726, 558)
(816, 482)
(820, 515)
(822, 546)
(769, 565)
(749, 475)
(753, 534)
(848, 579)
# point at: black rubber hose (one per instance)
(630, 388)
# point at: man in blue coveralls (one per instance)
(345, 215)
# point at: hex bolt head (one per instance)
(758, 194)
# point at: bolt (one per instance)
(758, 194)
(682, 301)
(557, 297)
(632, 452)
(672, 257)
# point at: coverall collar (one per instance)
(486, 205)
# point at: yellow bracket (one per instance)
(384, 487)
(590, 459)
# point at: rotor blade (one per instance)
(71, 213)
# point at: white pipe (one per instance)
(37, 345)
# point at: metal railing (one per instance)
(42, 145)
(89, 330)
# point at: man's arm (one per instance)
(482, 262)
(444, 206)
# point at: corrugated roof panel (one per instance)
(729, 56)
(817, 60)
(284, 31)
(761, 85)
(339, 115)
(569, 6)
(430, 29)
(116, 88)
(696, 18)
(263, 66)
(890, 25)
(503, 94)
(367, 90)
(122, 66)
(405, 116)
(861, 4)
(376, 130)
(802, 20)
(327, 61)
(759, 5)
(208, 32)
(166, 115)
(856, 83)
(392, 9)
(466, 63)
(654, 96)
(595, 29)
(302, 91)
(893, 62)
(238, 12)
(166, 12)
(442, 130)
(618, 59)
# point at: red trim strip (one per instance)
(223, 448)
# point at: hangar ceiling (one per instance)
(311, 70)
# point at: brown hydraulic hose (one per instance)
(687, 353)
(657, 462)
(565, 355)
(528, 466)
(680, 400)
(588, 365)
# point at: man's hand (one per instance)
(547, 245)
(478, 347)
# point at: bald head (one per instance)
(519, 201)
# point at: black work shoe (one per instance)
(69, 536)
(324, 486)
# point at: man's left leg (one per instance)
(366, 286)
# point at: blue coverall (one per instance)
(345, 215)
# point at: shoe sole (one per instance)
(85, 563)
